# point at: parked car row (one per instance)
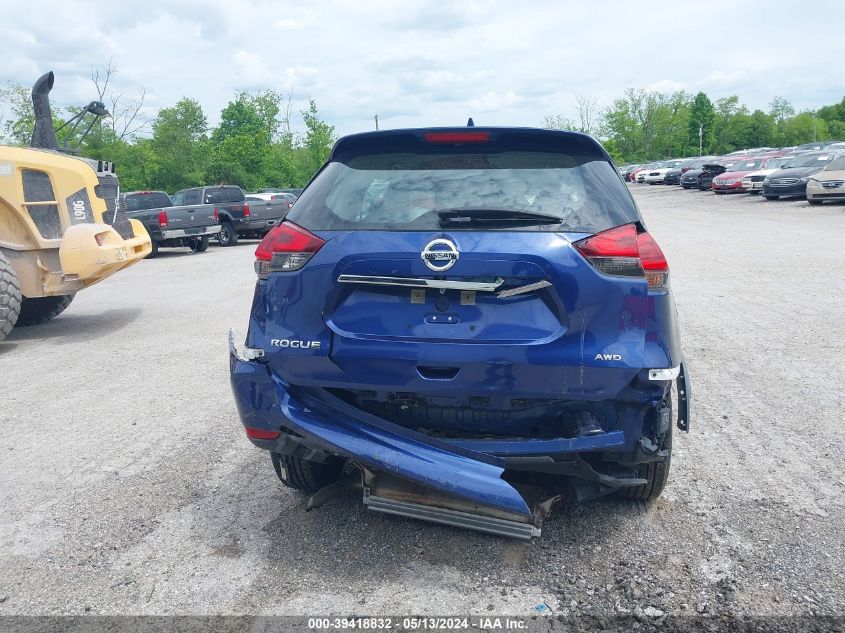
(814, 170)
(190, 217)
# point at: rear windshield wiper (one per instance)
(493, 215)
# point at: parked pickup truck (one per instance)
(170, 225)
(237, 217)
(272, 204)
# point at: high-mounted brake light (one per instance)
(246, 210)
(162, 219)
(285, 248)
(457, 137)
(623, 251)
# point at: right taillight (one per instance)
(287, 247)
(623, 251)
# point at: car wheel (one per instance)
(656, 474)
(814, 202)
(10, 297)
(306, 475)
(41, 309)
(772, 197)
(199, 244)
(153, 250)
(227, 236)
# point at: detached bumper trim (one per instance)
(480, 523)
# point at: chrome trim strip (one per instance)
(174, 233)
(523, 289)
(418, 282)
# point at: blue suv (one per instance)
(466, 324)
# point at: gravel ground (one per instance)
(128, 487)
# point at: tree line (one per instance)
(253, 145)
(647, 125)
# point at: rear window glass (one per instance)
(224, 194)
(144, 201)
(406, 191)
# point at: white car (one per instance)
(658, 174)
(753, 182)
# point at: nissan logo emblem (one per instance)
(440, 254)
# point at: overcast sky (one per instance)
(421, 63)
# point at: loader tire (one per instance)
(42, 309)
(656, 473)
(153, 250)
(10, 297)
(306, 475)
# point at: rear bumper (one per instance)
(173, 234)
(317, 422)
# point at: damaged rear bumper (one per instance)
(453, 481)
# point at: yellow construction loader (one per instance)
(62, 226)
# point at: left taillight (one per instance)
(162, 219)
(287, 247)
(624, 251)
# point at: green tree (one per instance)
(242, 146)
(702, 119)
(804, 127)
(176, 156)
(780, 110)
(558, 122)
(17, 114)
(762, 130)
(318, 141)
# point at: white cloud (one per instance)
(421, 62)
(666, 85)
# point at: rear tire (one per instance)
(306, 475)
(42, 309)
(200, 244)
(227, 236)
(10, 297)
(153, 250)
(814, 202)
(656, 474)
(770, 198)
